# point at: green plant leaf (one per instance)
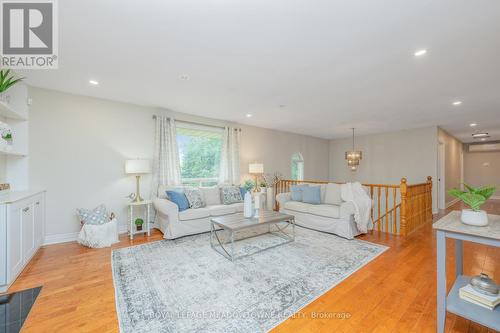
(473, 200)
(455, 192)
(486, 191)
(471, 189)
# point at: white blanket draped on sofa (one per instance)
(354, 192)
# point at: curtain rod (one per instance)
(195, 123)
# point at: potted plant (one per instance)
(474, 197)
(263, 186)
(138, 224)
(248, 185)
(7, 80)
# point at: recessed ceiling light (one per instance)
(420, 53)
(184, 77)
(480, 135)
(249, 115)
(93, 82)
(473, 125)
(457, 103)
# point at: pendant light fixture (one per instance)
(354, 156)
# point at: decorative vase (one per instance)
(256, 202)
(475, 218)
(270, 198)
(138, 227)
(247, 206)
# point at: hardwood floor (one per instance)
(396, 292)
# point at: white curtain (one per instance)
(230, 157)
(166, 163)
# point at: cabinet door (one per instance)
(28, 231)
(39, 220)
(14, 242)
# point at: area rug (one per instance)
(183, 285)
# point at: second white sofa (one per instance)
(332, 215)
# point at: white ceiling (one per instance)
(332, 64)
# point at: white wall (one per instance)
(388, 157)
(78, 146)
(482, 168)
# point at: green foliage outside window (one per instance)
(200, 155)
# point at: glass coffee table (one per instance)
(271, 222)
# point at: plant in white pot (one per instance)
(474, 197)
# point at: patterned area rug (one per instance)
(183, 285)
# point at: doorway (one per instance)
(441, 176)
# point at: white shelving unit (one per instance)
(15, 113)
(7, 111)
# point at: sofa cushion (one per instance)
(238, 206)
(296, 191)
(332, 211)
(193, 214)
(179, 198)
(194, 196)
(211, 195)
(218, 210)
(297, 206)
(311, 195)
(230, 195)
(332, 194)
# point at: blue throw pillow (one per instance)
(311, 195)
(296, 191)
(179, 198)
(242, 192)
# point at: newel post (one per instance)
(403, 187)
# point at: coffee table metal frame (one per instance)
(283, 228)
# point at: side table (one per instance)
(146, 205)
(450, 226)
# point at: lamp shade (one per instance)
(256, 168)
(137, 166)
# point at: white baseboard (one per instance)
(73, 236)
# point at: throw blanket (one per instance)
(354, 192)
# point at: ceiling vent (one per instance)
(484, 147)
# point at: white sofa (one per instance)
(333, 215)
(174, 224)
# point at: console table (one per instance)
(451, 227)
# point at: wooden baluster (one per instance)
(371, 196)
(386, 209)
(394, 212)
(378, 204)
(403, 210)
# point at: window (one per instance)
(297, 166)
(199, 153)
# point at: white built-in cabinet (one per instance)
(22, 210)
(22, 224)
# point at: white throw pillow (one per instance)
(211, 195)
(195, 197)
(333, 194)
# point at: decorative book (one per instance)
(467, 293)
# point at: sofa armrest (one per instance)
(167, 208)
(346, 209)
(282, 198)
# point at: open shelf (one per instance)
(476, 313)
(12, 153)
(8, 112)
